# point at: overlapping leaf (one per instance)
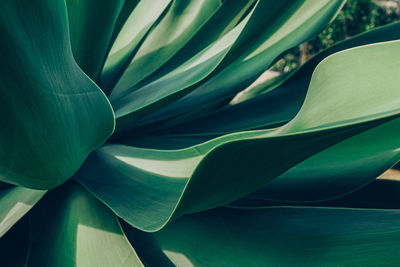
(359, 229)
(167, 184)
(261, 40)
(186, 75)
(14, 203)
(280, 104)
(164, 63)
(91, 24)
(278, 236)
(80, 232)
(14, 245)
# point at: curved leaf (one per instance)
(280, 29)
(52, 114)
(339, 169)
(225, 18)
(14, 203)
(128, 39)
(212, 174)
(91, 24)
(279, 105)
(193, 70)
(180, 23)
(381, 193)
(79, 232)
(286, 236)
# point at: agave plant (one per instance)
(119, 132)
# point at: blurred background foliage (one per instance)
(356, 16)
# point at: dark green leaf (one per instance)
(51, 114)
(91, 24)
(14, 203)
(287, 236)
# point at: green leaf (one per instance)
(280, 104)
(240, 234)
(225, 18)
(381, 193)
(80, 232)
(91, 24)
(280, 236)
(152, 187)
(175, 29)
(14, 203)
(273, 33)
(52, 114)
(130, 107)
(129, 38)
(339, 104)
(265, 83)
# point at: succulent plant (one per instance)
(120, 145)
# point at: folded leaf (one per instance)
(224, 19)
(149, 188)
(162, 185)
(381, 193)
(280, 104)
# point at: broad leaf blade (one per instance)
(284, 236)
(91, 24)
(233, 165)
(79, 232)
(52, 114)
